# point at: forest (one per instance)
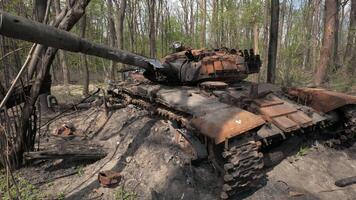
(149, 28)
(177, 99)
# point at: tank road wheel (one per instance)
(350, 124)
(242, 166)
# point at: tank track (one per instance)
(242, 168)
(242, 162)
(350, 124)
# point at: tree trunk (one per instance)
(83, 58)
(327, 45)
(255, 38)
(39, 10)
(65, 70)
(265, 38)
(192, 20)
(315, 33)
(308, 31)
(120, 17)
(152, 29)
(39, 15)
(61, 54)
(273, 42)
(335, 57)
(202, 4)
(112, 37)
(25, 140)
(351, 37)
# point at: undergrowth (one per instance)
(26, 190)
(123, 194)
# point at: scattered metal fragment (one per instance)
(346, 181)
(109, 178)
(66, 129)
(295, 194)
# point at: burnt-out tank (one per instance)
(230, 121)
(225, 119)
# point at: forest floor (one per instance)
(153, 166)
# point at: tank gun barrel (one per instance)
(32, 31)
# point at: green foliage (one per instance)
(123, 194)
(80, 171)
(60, 196)
(303, 151)
(26, 190)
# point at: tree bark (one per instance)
(266, 22)
(255, 38)
(335, 57)
(61, 54)
(83, 57)
(25, 140)
(202, 4)
(327, 44)
(39, 13)
(120, 17)
(315, 33)
(273, 42)
(152, 29)
(112, 37)
(65, 70)
(351, 37)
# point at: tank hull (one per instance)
(233, 121)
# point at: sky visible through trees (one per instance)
(228, 23)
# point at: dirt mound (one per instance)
(143, 149)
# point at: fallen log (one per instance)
(52, 155)
(73, 150)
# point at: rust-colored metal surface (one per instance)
(320, 99)
(226, 123)
(277, 110)
(285, 124)
(281, 113)
(109, 178)
(302, 119)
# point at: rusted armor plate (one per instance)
(286, 124)
(226, 123)
(213, 85)
(189, 101)
(277, 110)
(286, 116)
(320, 99)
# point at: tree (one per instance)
(61, 54)
(70, 15)
(273, 42)
(120, 17)
(111, 36)
(202, 4)
(351, 37)
(327, 44)
(152, 28)
(84, 60)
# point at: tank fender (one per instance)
(226, 123)
(320, 99)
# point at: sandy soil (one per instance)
(154, 166)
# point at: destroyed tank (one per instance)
(224, 118)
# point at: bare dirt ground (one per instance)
(143, 149)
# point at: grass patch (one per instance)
(122, 194)
(61, 196)
(80, 171)
(303, 151)
(26, 190)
